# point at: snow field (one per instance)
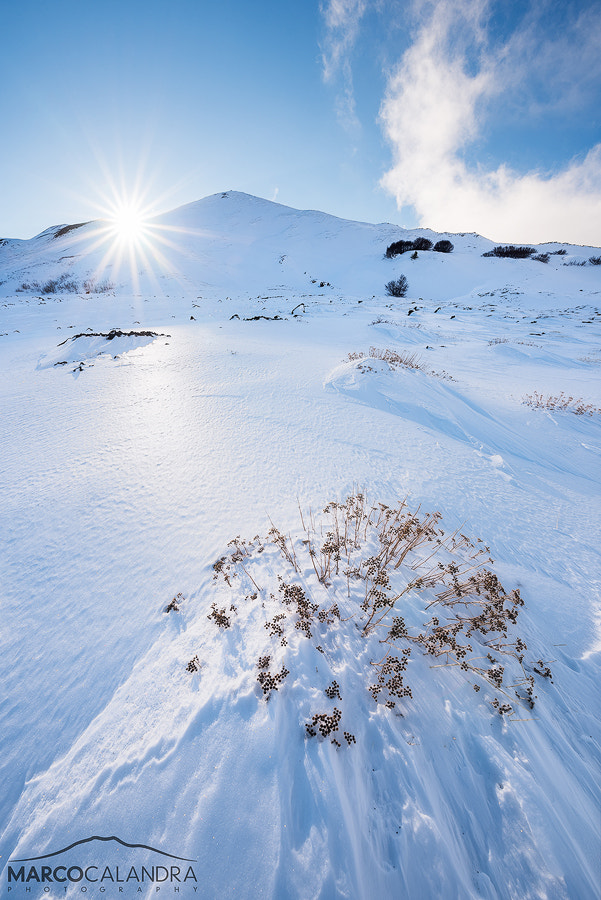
(123, 484)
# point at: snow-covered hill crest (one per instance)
(236, 244)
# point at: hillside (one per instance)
(240, 245)
(244, 491)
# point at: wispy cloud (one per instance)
(342, 19)
(437, 98)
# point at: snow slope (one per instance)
(128, 464)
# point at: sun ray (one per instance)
(130, 241)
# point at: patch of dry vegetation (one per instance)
(561, 402)
(407, 587)
(396, 360)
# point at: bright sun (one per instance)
(131, 235)
(128, 223)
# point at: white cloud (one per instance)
(553, 68)
(342, 20)
(431, 114)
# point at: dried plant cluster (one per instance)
(219, 617)
(561, 402)
(504, 340)
(395, 361)
(265, 678)
(175, 604)
(66, 284)
(397, 582)
(194, 665)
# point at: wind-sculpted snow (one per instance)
(132, 703)
(430, 401)
(436, 794)
(81, 348)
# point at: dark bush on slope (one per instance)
(64, 283)
(398, 287)
(397, 248)
(511, 252)
(422, 243)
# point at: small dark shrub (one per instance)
(62, 283)
(422, 243)
(541, 257)
(398, 287)
(414, 254)
(511, 252)
(561, 252)
(595, 260)
(443, 246)
(397, 248)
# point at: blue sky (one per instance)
(461, 115)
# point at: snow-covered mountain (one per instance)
(216, 680)
(241, 244)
